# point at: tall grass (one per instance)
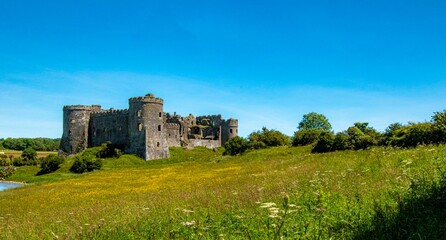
(265, 194)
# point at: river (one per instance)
(7, 185)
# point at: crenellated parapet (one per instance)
(110, 112)
(149, 98)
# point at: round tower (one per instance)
(229, 129)
(146, 128)
(76, 120)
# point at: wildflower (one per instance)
(320, 209)
(268, 205)
(274, 210)
(188, 211)
(145, 209)
(188, 224)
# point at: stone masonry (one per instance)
(143, 129)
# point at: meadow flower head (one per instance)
(188, 224)
(268, 205)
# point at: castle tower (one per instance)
(229, 130)
(76, 120)
(147, 137)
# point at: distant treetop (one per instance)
(314, 120)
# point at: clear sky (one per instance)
(264, 62)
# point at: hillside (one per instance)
(263, 194)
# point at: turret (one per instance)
(147, 137)
(76, 120)
(229, 130)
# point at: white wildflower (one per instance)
(188, 224)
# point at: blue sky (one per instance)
(264, 62)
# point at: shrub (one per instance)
(83, 164)
(267, 138)
(325, 143)
(342, 142)
(414, 134)
(18, 162)
(306, 137)
(6, 171)
(4, 160)
(235, 145)
(50, 164)
(439, 126)
(109, 150)
(29, 155)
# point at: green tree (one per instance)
(439, 126)
(325, 143)
(314, 120)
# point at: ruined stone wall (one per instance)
(173, 134)
(109, 126)
(192, 143)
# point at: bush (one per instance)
(18, 162)
(29, 154)
(50, 164)
(4, 160)
(306, 137)
(83, 164)
(235, 145)
(267, 138)
(414, 134)
(6, 172)
(325, 143)
(109, 150)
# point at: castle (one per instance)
(143, 129)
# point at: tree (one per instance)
(314, 120)
(439, 126)
(325, 143)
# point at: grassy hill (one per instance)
(264, 194)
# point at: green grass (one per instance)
(265, 194)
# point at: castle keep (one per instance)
(143, 129)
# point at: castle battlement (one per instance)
(106, 113)
(143, 129)
(82, 107)
(149, 98)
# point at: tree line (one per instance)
(314, 129)
(38, 144)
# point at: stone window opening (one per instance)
(160, 114)
(159, 127)
(158, 144)
(138, 113)
(139, 127)
(230, 130)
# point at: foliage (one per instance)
(50, 164)
(39, 144)
(6, 171)
(235, 145)
(413, 135)
(29, 155)
(4, 160)
(109, 150)
(306, 137)
(325, 143)
(314, 120)
(439, 126)
(83, 164)
(267, 138)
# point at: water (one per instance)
(7, 185)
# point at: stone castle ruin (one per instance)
(143, 129)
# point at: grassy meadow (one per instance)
(16, 154)
(273, 193)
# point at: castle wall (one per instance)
(192, 143)
(109, 126)
(143, 129)
(173, 134)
